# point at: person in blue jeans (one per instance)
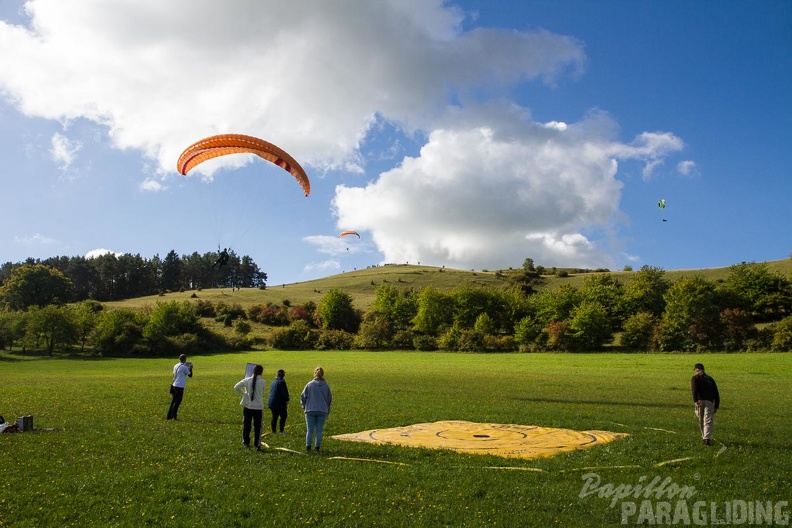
(316, 399)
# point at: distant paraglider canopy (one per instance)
(224, 144)
(661, 205)
(345, 233)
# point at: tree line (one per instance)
(113, 277)
(750, 310)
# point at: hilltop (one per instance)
(361, 284)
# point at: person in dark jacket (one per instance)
(706, 399)
(279, 401)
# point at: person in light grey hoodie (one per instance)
(316, 399)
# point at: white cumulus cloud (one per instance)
(493, 188)
(310, 76)
(99, 252)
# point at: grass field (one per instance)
(102, 453)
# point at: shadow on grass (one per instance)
(9, 359)
(19, 355)
(619, 403)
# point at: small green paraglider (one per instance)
(661, 205)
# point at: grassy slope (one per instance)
(361, 284)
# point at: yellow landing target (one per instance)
(505, 440)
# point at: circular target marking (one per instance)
(508, 440)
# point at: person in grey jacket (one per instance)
(316, 399)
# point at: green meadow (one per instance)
(102, 453)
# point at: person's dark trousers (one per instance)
(278, 413)
(251, 415)
(178, 395)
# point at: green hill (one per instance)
(362, 284)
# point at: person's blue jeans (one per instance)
(315, 423)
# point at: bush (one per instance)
(374, 334)
(526, 332)
(424, 343)
(167, 320)
(242, 327)
(233, 311)
(335, 312)
(738, 328)
(499, 343)
(183, 344)
(226, 319)
(402, 340)
(118, 331)
(484, 324)
(271, 314)
(762, 340)
(449, 339)
(590, 326)
(669, 338)
(334, 340)
(470, 341)
(639, 331)
(204, 308)
(782, 335)
(297, 336)
(559, 336)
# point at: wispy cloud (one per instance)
(152, 185)
(63, 150)
(324, 265)
(36, 239)
(687, 168)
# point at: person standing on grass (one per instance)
(278, 402)
(707, 400)
(316, 399)
(181, 371)
(252, 391)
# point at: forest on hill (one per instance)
(745, 307)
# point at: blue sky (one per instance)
(467, 134)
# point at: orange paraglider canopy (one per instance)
(224, 144)
(350, 232)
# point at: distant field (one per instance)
(103, 455)
(361, 284)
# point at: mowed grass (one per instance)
(102, 453)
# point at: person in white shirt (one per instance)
(252, 391)
(181, 371)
